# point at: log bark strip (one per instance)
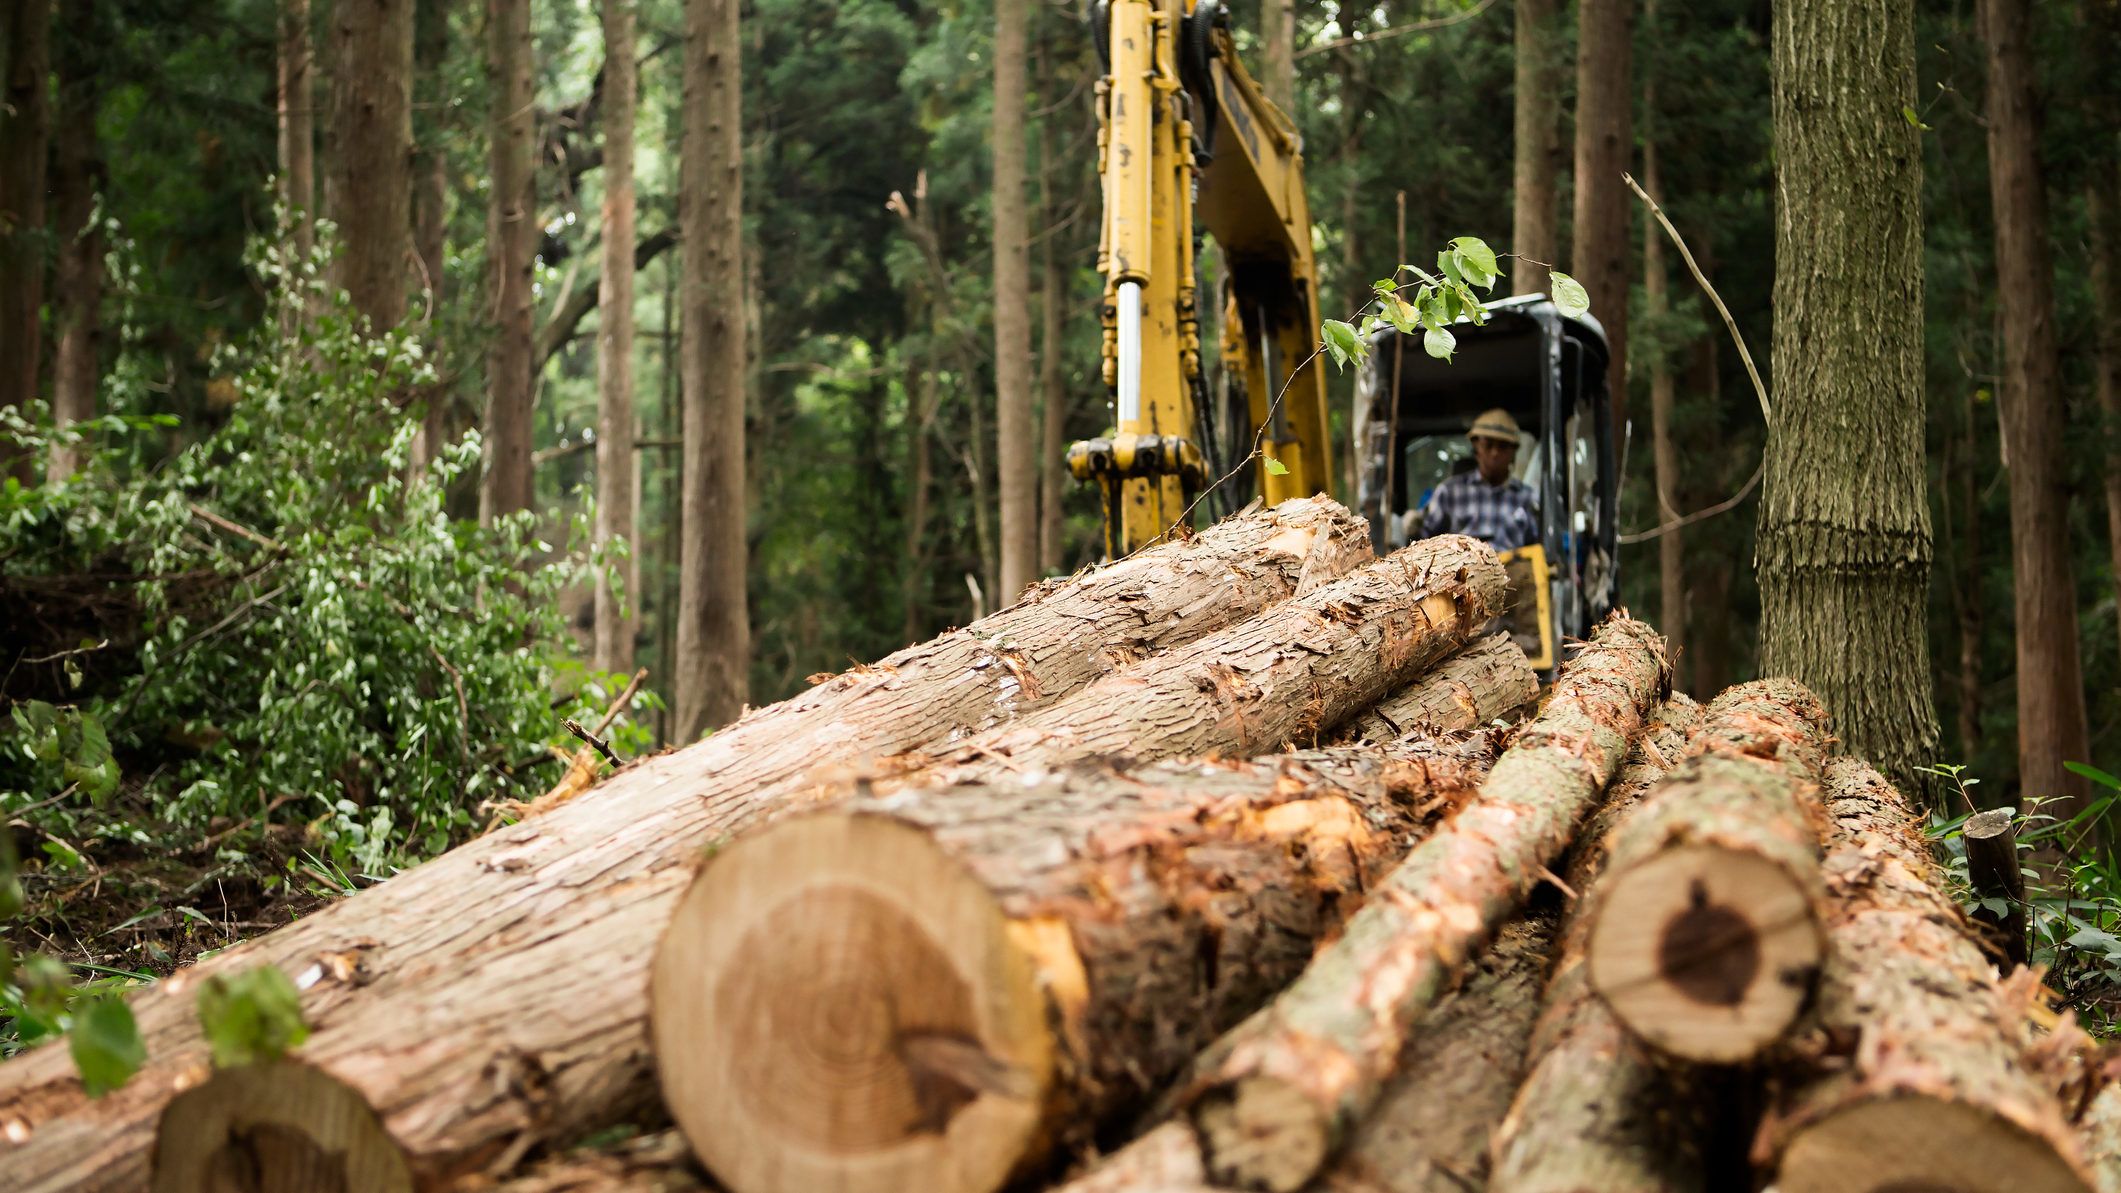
(934, 990)
(1910, 1078)
(1485, 680)
(1274, 1097)
(433, 994)
(1283, 677)
(1706, 932)
(1595, 1111)
(1992, 868)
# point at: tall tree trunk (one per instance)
(430, 198)
(1966, 591)
(372, 114)
(1017, 466)
(1605, 140)
(1277, 29)
(1535, 234)
(297, 88)
(615, 466)
(511, 251)
(714, 627)
(1844, 540)
(1053, 386)
(913, 585)
(1671, 560)
(24, 127)
(78, 292)
(2051, 715)
(2101, 198)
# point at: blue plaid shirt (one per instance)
(1506, 516)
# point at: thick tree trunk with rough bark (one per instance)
(712, 680)
(25, 120)
(1596, 1111)
(1705, 930)
(1844, 540)
(1285, 677)
(939, 993)
(1535, 230)
(1910, 1074)
(486, 941)
(77, 293)
(2052, 723)
(1485, 680)
(372, 154)
(1272, 1100)
(615, 614)
(1014, 434)
(511, 251)
(297, 114)
(1605, 144)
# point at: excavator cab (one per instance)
(1549, 371)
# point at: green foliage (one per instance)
(105, 1044)
(251, 1017)
(1465, 269)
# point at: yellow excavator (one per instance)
(1184, 134)
(1187, 140)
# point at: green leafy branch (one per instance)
(1429, 303)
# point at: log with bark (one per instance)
(1485, 680)
(1911, 1076)
(935, 989)
(2099, 1131)
(1271, 1100)
(1287, 676)
(1706, 931)
(496, 997)
(1596, 1112)
(1993, 870)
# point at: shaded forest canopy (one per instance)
(284, 638)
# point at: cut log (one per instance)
(1478, 684)
(658, 1162)
(1273, 1098)
(1992, 869)
(933, 990)
(1706, 929)
(1596, 1112)
(1911, 1078)
(497, 996)
(1430, 1131)
(1281, 679)
(281, 1125)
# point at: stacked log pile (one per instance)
(1250, 862)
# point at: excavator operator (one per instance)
(1487, 502)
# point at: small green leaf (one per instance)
(1447, 263)
(1476, 260)
(2096, 775)
(1276, 467)
(1341, 341)
(1384, 285)
(251, 1016)
(106, 1045)
(1439, 343)
(1908, 114)
(1568, 294)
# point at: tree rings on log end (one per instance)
(1913, 1144)
(1706, 954)
(1260, 1134)
(282, 1127)
(837, 1005)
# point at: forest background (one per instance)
(307, 589)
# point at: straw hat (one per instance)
(1496, 424)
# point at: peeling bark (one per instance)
(1478, 684)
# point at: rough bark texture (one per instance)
(298, 152)
(1535, 231)
(1596, 1113)
(2101, 199)
(1134, 914)
(1909, 1071)
(1273, 1098)
(1993, 870)
(1485, 680)
(433, 994)
(1014, 433)
(1705, 932)
(511, 251)
(713, 670)
(77, 297)
(2051, 715)
(1284, 677)
(2099, 1131)
(372, 158)
(658, 1162)
(1605, 142)
(615, 613)
(25, 120)
(1844, 540)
